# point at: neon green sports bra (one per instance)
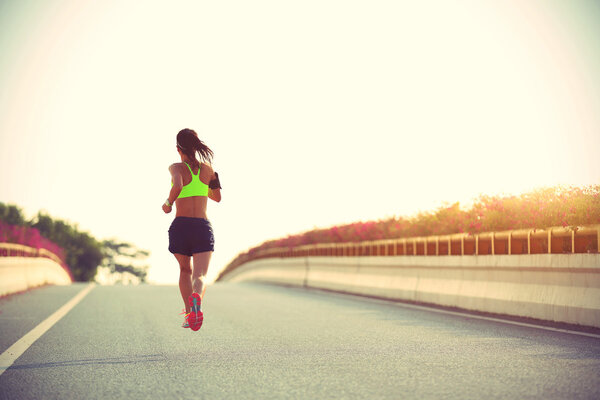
(195, 188)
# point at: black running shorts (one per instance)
(189, 236)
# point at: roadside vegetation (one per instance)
(542, 208)
(80, 252)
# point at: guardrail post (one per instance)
(529, 242)
(476, 245)
(550, 241)
(462, 245)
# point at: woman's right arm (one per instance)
(177, 180)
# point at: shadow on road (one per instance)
(94, 361)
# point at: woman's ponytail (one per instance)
(189, 144)
(205, 153)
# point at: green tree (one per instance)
(11, 215)
(83, 252)
(121, 257)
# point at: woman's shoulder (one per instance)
(206, 167)
(176, 166)
(206, 171)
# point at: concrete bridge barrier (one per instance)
(551, 287)
(288, 271)
(548, 274)
(23, 267)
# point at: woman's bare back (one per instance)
(192, 206)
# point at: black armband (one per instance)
(215, 183)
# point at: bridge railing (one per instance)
(23, 267)
(20, 250)
(553, 240)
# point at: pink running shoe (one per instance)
(196, 317)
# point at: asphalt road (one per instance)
(268, 342)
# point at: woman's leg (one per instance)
(185, 278)
(199, 272)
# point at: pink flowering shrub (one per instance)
(542, 208)
(558, 206)
(29, 237)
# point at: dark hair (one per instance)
(189, 143)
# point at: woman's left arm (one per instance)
(214, 188)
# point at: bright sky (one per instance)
(319, 112)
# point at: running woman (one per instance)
(191, 237)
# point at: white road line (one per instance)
(503, 321)
(13, 352)
(466, 315)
